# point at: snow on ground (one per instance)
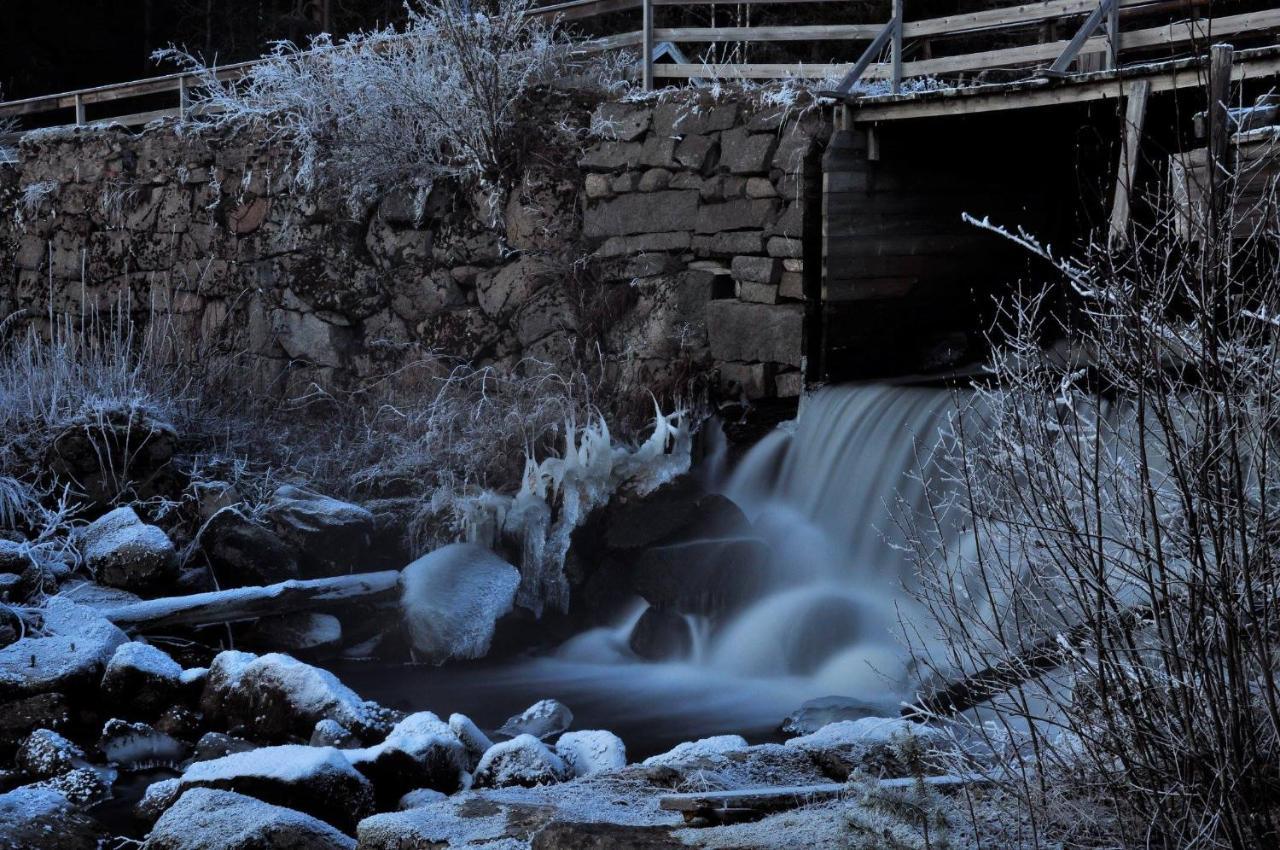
(701, 748)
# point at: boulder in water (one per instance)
(813, 714)
(46, 754)
(543, 719)
(208, 819)
(661, 635)
(302, 632)
(524, 761)
(452, 600)
(474, 741)
(333, 536)
(124, 552)
(708, 577)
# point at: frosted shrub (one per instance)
(389, 109)
(1118, 595)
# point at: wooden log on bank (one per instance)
(248, 603)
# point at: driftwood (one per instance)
(1041, 658)
(247, 603)
(742, 804)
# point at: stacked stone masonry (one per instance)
(691, 212)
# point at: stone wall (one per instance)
(671, 242)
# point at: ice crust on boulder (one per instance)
(524, 760)
(452, 599)
(702, 748)
(543, 719)
(420, 797)
(591, 751)
(475, 741)
(207, 819)
(137, 745)
(142, 678)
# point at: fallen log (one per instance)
(744, 803)
(248, 603)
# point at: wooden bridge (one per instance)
(1009, 57)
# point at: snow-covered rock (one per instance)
(475, 741)
(418, 798)
(332, 536)
(158, 797)
(215, 745)
(135, 746)
(85, 786)
(71, 652)
(543, 719)
(123, 551)
(524, 760)
(452, 599)
(420, 752)
(206, 819)
(45, 753)
(301, 632)
(272, 697)
(316, 780)
(813, 714)
(20, 717)
(141, 679)
(331, 733)
(591, 751)
(871, 743)
(242, 553)
(715, 745)
(42, 819)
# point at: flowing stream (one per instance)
(825, 493)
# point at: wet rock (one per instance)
(677, 511)
(708, 577)
(543, 719)
(141, 680)
(661, 635)
(524, 761)
(299, 633)
(591, 751)
(70, 653)
(124, 552)
(45, 754)
(475, 742)
(274, 697)
(421, 752)
(137, 746)
(604, 836)
(316, 780)
(242, 553)
(813, 714)
(452, 600)
(206, 819)
(215, 745)
(178, 721)
(332, 536)
(42, 819)
(21, 717)
(158, 797)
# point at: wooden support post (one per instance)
(1135, 114)
(873, 143)
(1113, 37)
(895, 82)
(646, 45)
(1219, 101)
(184, 100)
(79, 110)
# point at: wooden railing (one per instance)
(1106, 33)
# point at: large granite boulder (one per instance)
(69, 654)
(124, 552)
(43, 819)
(209, 819)
(243, 553)
(333, 536)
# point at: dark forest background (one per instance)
(54, 45)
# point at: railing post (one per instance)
(79, 110)
(1113, 37)
(184, 101)
(646, 46)
(895, 83)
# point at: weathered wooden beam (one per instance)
(646, 45)
(1090, 25)
(850, 32)
(1135, 114)
(247, 603)
(1219, 117)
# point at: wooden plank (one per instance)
(580, 9)
(751, 71)
(646, 45)
(850, 32)
(1134, 116)
(1026, 14)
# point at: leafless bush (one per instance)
(1117, 571)
(389, 109)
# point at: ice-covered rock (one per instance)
(420, 797)
(316, 780)
(813, 714)
(158, 797)
(715, 745)
(331, 733)
(332, 536)
(871, 743)
(85, 786)
(475, 741)
(543, 719)
(43, 819)
(207, 819)
(123, 551)
(524, 760)
(69, 653)
(452, 599)
(272, 697)
(242, 553)
(591, 751)
(141, 680)
(45, 753)
(301, 632)
(420, 752)
(136, 746)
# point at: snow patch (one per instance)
(700, 749)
